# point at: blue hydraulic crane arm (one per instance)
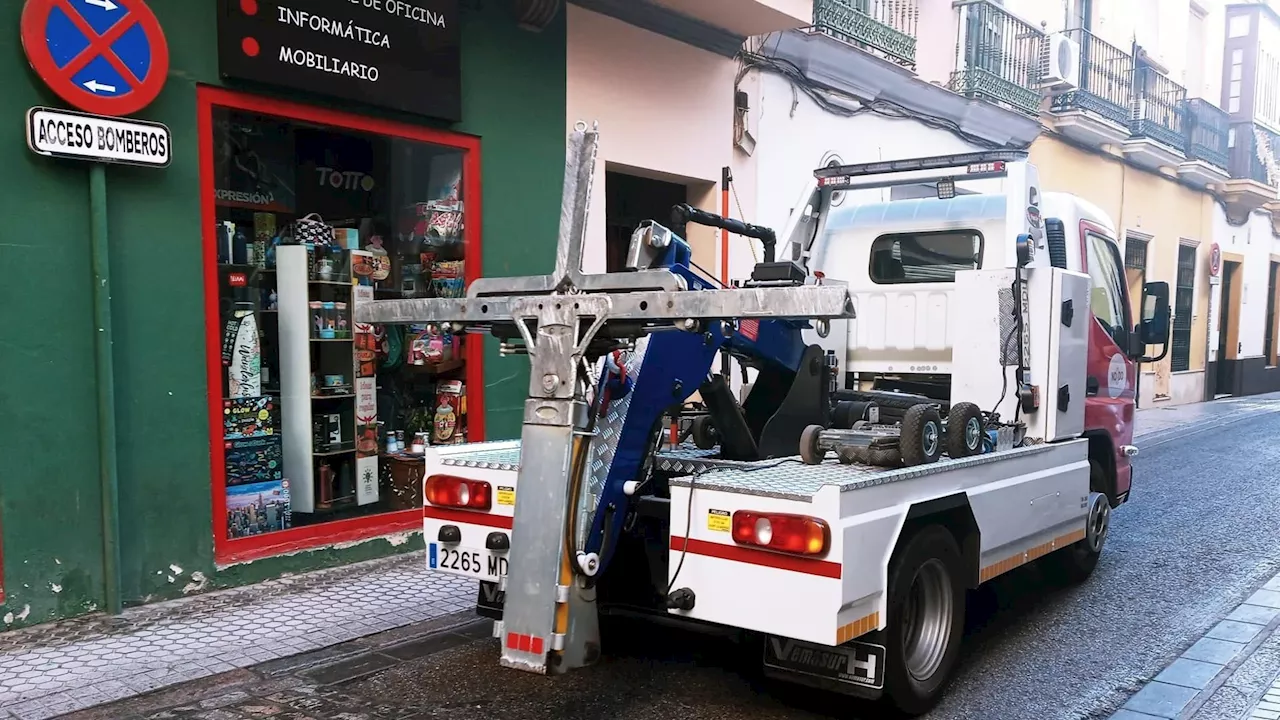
(674, 365)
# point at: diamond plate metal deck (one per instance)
(790, 479)
(786, 478)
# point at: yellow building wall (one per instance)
(1153, 205)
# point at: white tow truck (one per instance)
(852, 577)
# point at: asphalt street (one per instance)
(1197, 537)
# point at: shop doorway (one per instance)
(1228, 330)
(630, 200)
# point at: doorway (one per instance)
(629, 201)
(1228, 330)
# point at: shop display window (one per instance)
(319, 423)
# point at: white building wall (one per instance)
(665, 111)
(795, 137)
(1256, 242)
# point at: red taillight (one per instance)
(795, 534)
(450, 491)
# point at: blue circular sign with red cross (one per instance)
(107, 57)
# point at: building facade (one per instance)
(246, 427)
(1152, 110)
(1243, 326)
(160, 481)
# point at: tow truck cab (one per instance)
(900, 257)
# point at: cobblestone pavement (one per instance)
(63, 667)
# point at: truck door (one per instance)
(1112, 374)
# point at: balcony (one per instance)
(1206, 144)
(1157, 127)
(997, 57)
(884, 27)
(1098, 111)
(1254, 164)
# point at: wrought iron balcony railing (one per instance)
(885, 27)
(997, 56)
(1206, 134)
(1158, 105)
(1255, 154)
(1106, 80)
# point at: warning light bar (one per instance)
(937, 162)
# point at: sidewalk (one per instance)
(60, 668)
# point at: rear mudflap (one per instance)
(854, 668)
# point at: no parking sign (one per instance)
(107, 57)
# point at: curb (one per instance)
(1183, 687)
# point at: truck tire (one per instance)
(921, 440)
(1074, 563)
(704, 433)
(964, 430)
(925, 620)
(810, 453)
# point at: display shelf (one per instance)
(308, 417)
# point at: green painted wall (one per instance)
(50, 518)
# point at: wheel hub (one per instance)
(1098, 522)
(928, 615)
(930, 439)
(972, 430)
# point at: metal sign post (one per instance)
(562, 321)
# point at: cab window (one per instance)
(924, 257)
(1106, 298)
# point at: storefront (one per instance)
(320, 159)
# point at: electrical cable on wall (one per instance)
(823, 97)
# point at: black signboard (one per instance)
(398, 54)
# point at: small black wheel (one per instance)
(921, 440)
(704, 433)
(810, 453)
(964, 430)
(925, 621)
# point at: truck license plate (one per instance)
(480, 564)
(854, 663)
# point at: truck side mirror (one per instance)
(1154, 327)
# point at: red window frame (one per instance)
(227, 550)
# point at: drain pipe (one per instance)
(105, 381)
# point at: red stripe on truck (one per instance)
(808, 566)
(464, 516)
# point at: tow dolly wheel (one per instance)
(704, 433)
(921, 440)
(810, 453)
(925, 622)
(964, 430)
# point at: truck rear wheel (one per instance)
(925, 621)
